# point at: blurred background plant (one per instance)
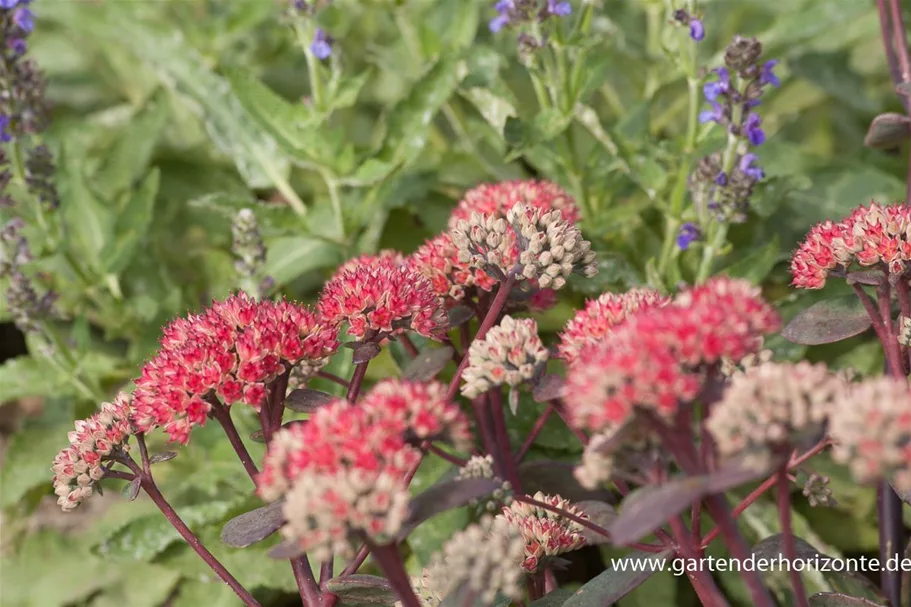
(200, 146)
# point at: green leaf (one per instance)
(349, 89)
(128, 158)
(613, 584)
(522, 135)
(28, 376)
(87, 222)
(289, 257)
(143, 585)
(28, 459)
(193, 593)
(132, 226)
(758, 263)
(495, 110)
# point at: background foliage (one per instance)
(170, 116)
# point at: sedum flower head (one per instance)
(477, 466)
(78, 467)
(382, 296)
(600, 315)
(817, 491)
(871, 426)
(657, 359)
(773, 408)
(438, 261)
(230, 352)
(497, 199)
(383, 257)
(871, 236)
(510, 353)
(546, 533)
(485, 559)
(597, 461)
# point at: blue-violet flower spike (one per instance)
(23, 18)
(697, 30)
(498, 23)
(721, 178)
(715, 114)
(754, 130)
(767, 76)
(321, 46)
(8, 4)
(748, 167)
(560, 9)
(688, 233)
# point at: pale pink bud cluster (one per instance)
(479, 466)
(904, 330)
(230, 352)
(871, 426)
(601, 315)
(510, 353)
(546, 533)
(484, 559)
(342, 471)
(498, 198)
(438, 261)
(323, 510)
(382, 296)
(78, 467)
(658, 357)
(773, 408)
(874, 235)
(597, 462)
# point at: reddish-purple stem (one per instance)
(702, 582)
(533, 434)
(306, 585)
(409, 346)
(452, 459)
(900, 39)
(789, 545)
(550, 581)
(390, 561)
(502, 438)
(333, 378)
(485, 427)
(354, 388)
(223, 415)
(278, 391)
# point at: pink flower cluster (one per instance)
(438, 260)
(343, 470)
(231, 351)
(545, 532)
(870, 236)
(78, 467)
(658, 357)
(384, 295)
(601, 315)
(498, 198)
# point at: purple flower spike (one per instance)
(713, 90)
(721, 178)
(697, 30)
(748, 167)
(23, 19)
(4, 133)
(767, 76)
(498, 23)
(716, 114)
(754, 130)
(18, 46)
(688, 233)
(560, 9)
(321, 46)
(8, 4)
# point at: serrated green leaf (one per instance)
(193, 593)
(132, 226)
(28, 459)
(86, 220)
(29, 376)
(495, 110)
(758, 263)
(292, 256)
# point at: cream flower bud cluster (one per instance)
(773, 408)
(486, 242)
(510, 354)
(871, 426)
(597, 462)
(817, 491)
(546, 533)
(78, 467)
(322, 510)
(904, 330)
(550, 248)
(479, 466)
(484, 559)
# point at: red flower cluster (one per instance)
(438, 260)
(382, 295)
(384, 256)
(600, 315)
(874, 235)
(498, 198)
(545, 533)
(231, 351)
(657, 359)
(78, 467)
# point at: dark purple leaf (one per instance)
(601, 514)
(555, 598)
(887, 131)
(164, 456)
(735, 473)
(286, 550)
(362, 591)
(254, 526)
(307, 400)
(648, 508)
(131, 491)
(612, 585)
(550, 387)
(557, 478)
(834, 599)
(445, 496)
(258, 436)
(773, 546)
(428, 363)
(866, 277)
(365, 352)
(459, 315)
(828, 321)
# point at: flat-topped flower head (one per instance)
(773, 408)
(871, 426)
(875, 235)
(497, 199)
(382, 257)
(438, 261)
(546, 533)
(510, 353)
(78, 467)
(601, 315)
(485, 559)
(658, 357)
(421, 408)
(325, 512)
(230, 352)
(382, 297)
